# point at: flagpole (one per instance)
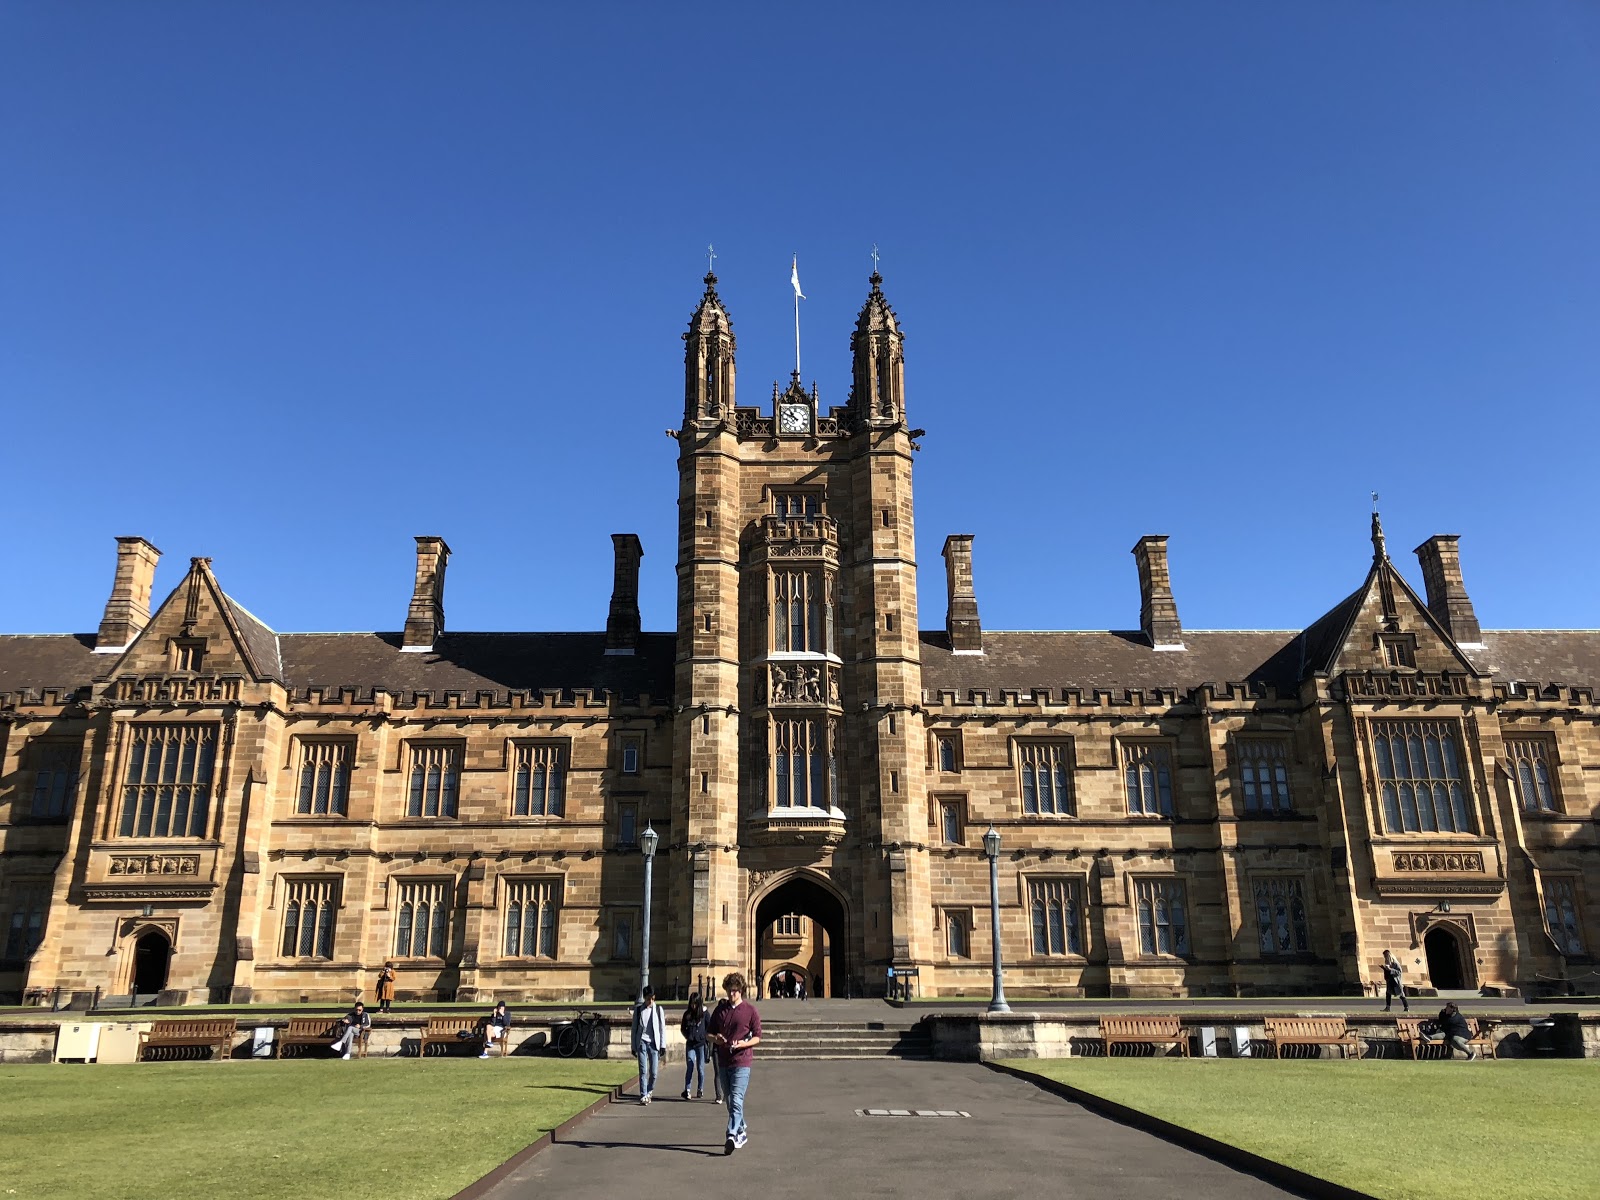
(797, 337)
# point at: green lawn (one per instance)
(396, 1129)
(1395, 1129)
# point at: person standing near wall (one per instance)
(695, 1048)
(735, 1030)
(386, 987)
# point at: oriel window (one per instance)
(802, 615)
(805, 771)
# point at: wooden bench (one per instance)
(1147, 1030)
(1311, 1031)
(215, 1033)
(456, 1030)
(318, 1031)
(1411, 1039)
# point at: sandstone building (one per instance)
(195, 803)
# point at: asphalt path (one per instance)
(813, 1135)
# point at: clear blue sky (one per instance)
(286, 284)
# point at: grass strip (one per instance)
(398, 1129)
(1395, 1129)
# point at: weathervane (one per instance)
(711, 259)
(874, 258)
(1374, 501)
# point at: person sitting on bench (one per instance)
(357, 1022)
(496, 1027)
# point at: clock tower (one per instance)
(798, 736)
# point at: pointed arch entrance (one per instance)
(1449, 959)
(152, 954)
(799, 926)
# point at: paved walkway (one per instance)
(806, 1140)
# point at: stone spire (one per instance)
(708, 361)
(878, 381)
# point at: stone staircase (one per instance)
(843, 1039)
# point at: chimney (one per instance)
(1158, 612)
(622, 622)
(961, 617)
(425, 617)
(128, 609)
(1440, 557)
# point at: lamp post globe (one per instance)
(648, 841)
(991, 851)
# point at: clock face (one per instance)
(794, 418)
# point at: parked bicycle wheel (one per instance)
(567, 1040)
(594, 1045)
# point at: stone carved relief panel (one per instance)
(1439, 862)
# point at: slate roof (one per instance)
(1114, 660)
(260, 642)
(473, 662)
(36, 661)
(1570, 657)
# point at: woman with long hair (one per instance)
(695, 1051)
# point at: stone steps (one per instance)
(827, 1040)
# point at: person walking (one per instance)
(693, 1027)
(1392, 985)
(356, 1024)
(735, 1030)
(386, 987)
(649, 1039)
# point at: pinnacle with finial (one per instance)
(1380, 549)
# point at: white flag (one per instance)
(794, 278)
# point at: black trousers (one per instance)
(1390, 991)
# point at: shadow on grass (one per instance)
(592, 1089)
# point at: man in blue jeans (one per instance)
(735, 1030)
(649, 1040)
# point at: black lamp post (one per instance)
(991, 850)
(648, 841)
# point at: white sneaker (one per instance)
(345, 1056)
(741, 1139)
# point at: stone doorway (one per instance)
(1449, 966)
(799, 926)
(152, 955)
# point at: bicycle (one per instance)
(588, 1030)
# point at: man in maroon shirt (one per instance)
(735, 1030)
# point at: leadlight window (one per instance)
(1281, 917)
(622, 937)
(324, 778)
(1399, 649)
(805, 770)
(802, 614)
(188, 655)
(422, 920)
(55, 779)
(1163, 916)
(435, 780)
(1147, 775)
(957, 935)
(531, 919)
(949, 753)
(950, 822)
(167, 792)
(1055, 907)
(1532, 764)
(1561, 914)
(309, 911)
(1264, 775)
(25, 925)
(1419, 775)
(1046, 783)
(789, 926)
(796, 504)
(539, 784)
